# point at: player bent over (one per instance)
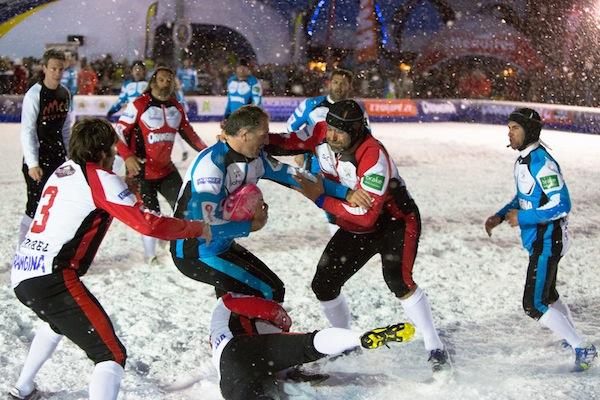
(77, 206)
(251, 342)
(216, 173)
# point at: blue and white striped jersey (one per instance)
(242, 93)
(216, 172)
(542, 200)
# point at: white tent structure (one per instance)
(118, 27)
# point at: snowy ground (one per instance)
(459, 174)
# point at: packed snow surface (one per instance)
(459, 174)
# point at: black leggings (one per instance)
(236, 270)
(168, 186)
(249, 363)
(63, 301)
(34, 189)
(346, 253)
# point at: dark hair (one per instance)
(140, 63)
(243, 63)
(248, 117)
(155, 73)
(53, 53)
(343, 72)
(90, 138)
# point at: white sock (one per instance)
(558, 323)
(24, 228)
(563, 307)
(335, 340)
(43, 345)
(149, 243)
(418, 310)
(106, 380)
(337, 312)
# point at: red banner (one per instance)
(390, 108)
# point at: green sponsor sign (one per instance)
(374, 181)
(549, 182)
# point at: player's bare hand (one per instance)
(512, 217)
(261, 215)
(359, 198)
(491, 223)
(133, 165)
(299, 160)
(206, 233)
(36, 173)
(312, 189)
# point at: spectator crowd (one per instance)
(575, 85)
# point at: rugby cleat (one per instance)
(377, 337)
(584, 356)
(438, 360)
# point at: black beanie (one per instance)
(531, 122)
(348, 116)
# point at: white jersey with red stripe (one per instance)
(237, 314)
(73, 215)
(369, 168)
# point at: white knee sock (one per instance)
(418, 310)
(106, 380)
(558, 323)
(337, 312)
(149, 243)
(563, 307)
(24, 228)
(43, 345)
(335, 340)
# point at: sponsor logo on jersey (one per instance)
(218, 340)
(124, 194)
(549, 182)
(28, 263)
(56, 106)
(525, 204)
(160, 137)
(374, 181)
(208, 179)
(67, 170)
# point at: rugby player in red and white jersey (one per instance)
(78, 203)
(147, 129)
(349, 154)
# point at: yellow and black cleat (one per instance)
(377, 337)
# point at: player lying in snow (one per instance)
(251, 342)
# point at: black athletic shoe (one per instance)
(438, 359)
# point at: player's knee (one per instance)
(120, 356)
(402, 290)
(531, 310)
(279, 293)
(324, 290)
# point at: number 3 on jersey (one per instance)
(49, 194)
